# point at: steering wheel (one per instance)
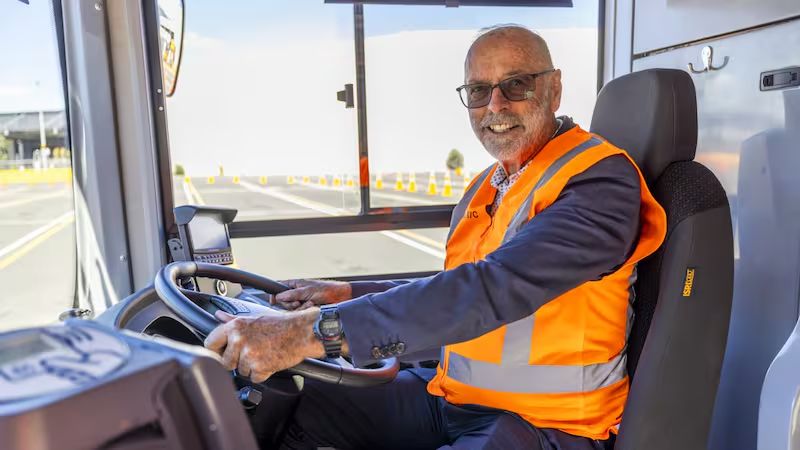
(178, 300)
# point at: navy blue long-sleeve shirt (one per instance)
(589, 231)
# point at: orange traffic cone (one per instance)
(432, 184)
(412, 182)
(447, 191)
(398, 185)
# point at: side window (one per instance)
(37, 235)
(333, 127)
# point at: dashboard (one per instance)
(85, 385)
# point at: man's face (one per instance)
(507, 129)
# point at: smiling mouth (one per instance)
(501, 128)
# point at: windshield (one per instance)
(279, 114)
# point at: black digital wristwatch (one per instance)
(328, 329)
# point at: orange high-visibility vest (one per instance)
(564, 366)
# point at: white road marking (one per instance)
(197, 197)
(402, 198)
(21, 222)
(26, 200)
(375, 193)
(331, 211)
(414, 244)
(64, 218)
(424, 239)
(226, 191)
(188, 193)
(11, 190)
(291, 198)
(271, 213)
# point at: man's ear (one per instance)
(555, 90)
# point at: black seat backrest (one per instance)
(684, 290)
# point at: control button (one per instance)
(401, 348)
(376, 353)
(221, 287)
(238, 306)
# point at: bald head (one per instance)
(512, 130)
(516, 38)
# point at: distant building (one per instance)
(22, 129)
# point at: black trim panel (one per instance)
(159, 116)
(361, 107)
(432, 218)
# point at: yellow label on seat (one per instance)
(687, 285)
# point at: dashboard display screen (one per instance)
(22, 348)
(208, 233)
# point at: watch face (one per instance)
(329, 328)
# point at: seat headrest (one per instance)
(652, 115)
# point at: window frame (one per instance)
(163, 154)
(458, 3)
(58, 25)
(369, 218)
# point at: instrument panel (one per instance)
(41, 361)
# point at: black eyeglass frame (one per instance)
(500, 85)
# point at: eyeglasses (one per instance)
(515, 89)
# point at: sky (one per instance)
(272, 107)
(30, 77)
(257, 86)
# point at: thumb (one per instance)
(223, 317)
(294, 283)
(296, 294)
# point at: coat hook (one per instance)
(707, 55)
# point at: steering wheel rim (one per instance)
(168, 289)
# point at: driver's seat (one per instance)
(684, 290)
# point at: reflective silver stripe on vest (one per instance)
(521, 217)
(463, 204)
(536, 379)
(517, 341)
(631, 299)
(517, 344)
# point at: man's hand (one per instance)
(260, 346)
(307, 293)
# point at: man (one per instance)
(532, 311)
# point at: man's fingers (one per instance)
(260, 377)
(294, 284)
(243, 366)
(217, 339)
(223, 317)
(230, 357)
(293, 295)
(306, 305)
